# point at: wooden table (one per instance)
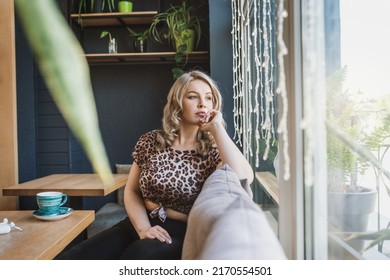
(40, 240)
(270, 184)
(70, 184)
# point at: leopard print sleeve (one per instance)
(216, 158)
(143, 147)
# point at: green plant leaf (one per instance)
(104, 34)
(140, 36)
(179, 58)
(350, 112)
(181, 49)
(377, 236)
(177, 72)
(66, 72)
(357, 148)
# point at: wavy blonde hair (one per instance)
(174, 109)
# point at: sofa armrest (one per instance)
(225, 223)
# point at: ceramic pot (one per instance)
(350, 212)
(125, 6)
(188, 36)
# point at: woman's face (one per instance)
(197, 102)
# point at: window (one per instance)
(357, 64)
(345, 121)
(338, 88)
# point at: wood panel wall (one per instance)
(8, 120)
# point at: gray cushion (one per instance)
(110, 213)
(122, 169)
(225, 223)
(106, 217)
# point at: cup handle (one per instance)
(64, 199)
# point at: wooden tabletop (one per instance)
(70, 184)
(40, 240)
(270, 184)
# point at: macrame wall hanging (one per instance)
(258, 74)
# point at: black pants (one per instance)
(121, 242)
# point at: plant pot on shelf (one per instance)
(125, 6)
(186, 39)
(140, 39)
(112, 45)
(140, 46)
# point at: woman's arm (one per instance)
(229, 152)
(136, 210)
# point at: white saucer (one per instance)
(63, 213)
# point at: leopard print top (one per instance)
(172, 178)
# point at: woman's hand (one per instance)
(212, 118)
(156, 232)
(228, 151)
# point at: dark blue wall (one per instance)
(25, 107)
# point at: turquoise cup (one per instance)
(49, 203)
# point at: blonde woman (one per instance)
(168, 171)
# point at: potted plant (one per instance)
(183, 26)
(140, 39)
(356, 237)
(341, 111)
(112, 46)
(125, 6)
(349, 204)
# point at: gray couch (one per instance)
(225, 223)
